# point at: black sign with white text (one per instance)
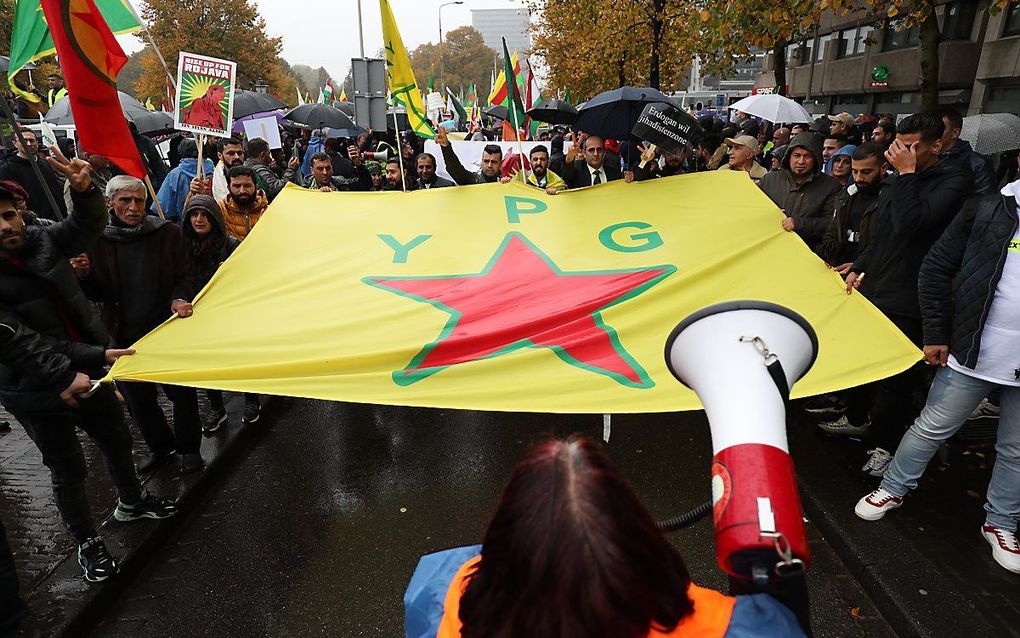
(667, 127)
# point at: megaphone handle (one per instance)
(791, 590)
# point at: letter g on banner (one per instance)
(639, 242)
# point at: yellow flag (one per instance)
(403, 87)
(500, 297)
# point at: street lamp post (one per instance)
(445, 4)
(261, 86)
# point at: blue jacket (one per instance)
(755, 616)
(174, 191)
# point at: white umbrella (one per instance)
(992, 133)
(773, 107)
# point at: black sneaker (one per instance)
(151, 461)
(149, 507)
(191, 463)
(96, 561)
(252, 410)
(213, 422)
(825, 405)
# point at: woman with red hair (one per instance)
(572, 553)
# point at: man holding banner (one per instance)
(492, 160)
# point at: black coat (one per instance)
(26, 353)
(43, 294)
(912, 214)
(461, 174)
(163, 262)
(969, 257)
(441, 182)
(963, 156)
(577, 175)
(20, 170)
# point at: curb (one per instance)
(911, 592)
(64, 604)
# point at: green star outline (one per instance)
(406, 377)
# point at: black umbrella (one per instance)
(554, 112)
(249, 102)
(613, 113)
(346, 107)
(319, 116)
(5, 63)
(498, 111)
(343, 132)
(148, 122)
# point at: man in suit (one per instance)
(427, 177)
(592, 169)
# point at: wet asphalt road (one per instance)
(318, 528)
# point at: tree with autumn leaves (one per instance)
(228, 29)
(596, 45)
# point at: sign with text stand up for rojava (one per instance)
(205, 95)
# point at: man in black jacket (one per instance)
(492, 162)
(39, 290)
(134, 269)
(970, 306)
(427, 177)
(593, 169)
(19, 168)
(913, 212)
(854, 207)
(961, 154)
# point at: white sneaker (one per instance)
(986, 410)
(874, 506)
(1005, 549)
(878, 463)
(843, 427)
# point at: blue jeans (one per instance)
(952, 398)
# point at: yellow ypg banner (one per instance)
(500, 297)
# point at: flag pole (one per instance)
(33, 157)
(155, 200)
(400, 149)
(152, 43)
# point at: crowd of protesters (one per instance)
(906, 212)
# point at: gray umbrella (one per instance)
(992, 133)
(148, 122)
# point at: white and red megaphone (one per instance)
(741, 358)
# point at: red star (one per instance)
(522, 299)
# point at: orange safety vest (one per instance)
(711, 617)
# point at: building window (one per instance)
(896, 37)
(798, 53)
(820, 46)
(853, 41)
(1012, 20)
(959, 20)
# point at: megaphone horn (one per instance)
(380, 156)
(741, 358)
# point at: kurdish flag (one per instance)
(500, 297)
(516, 115)
(403, 87)
(31, 39)
(91, 58)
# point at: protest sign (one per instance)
(265, 128)
(205, 95)
(667, 127)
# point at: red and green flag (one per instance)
(31, 38)
(515, 106)
(90, 58)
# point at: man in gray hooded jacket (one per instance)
(805, 194)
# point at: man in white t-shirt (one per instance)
(972, 335)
